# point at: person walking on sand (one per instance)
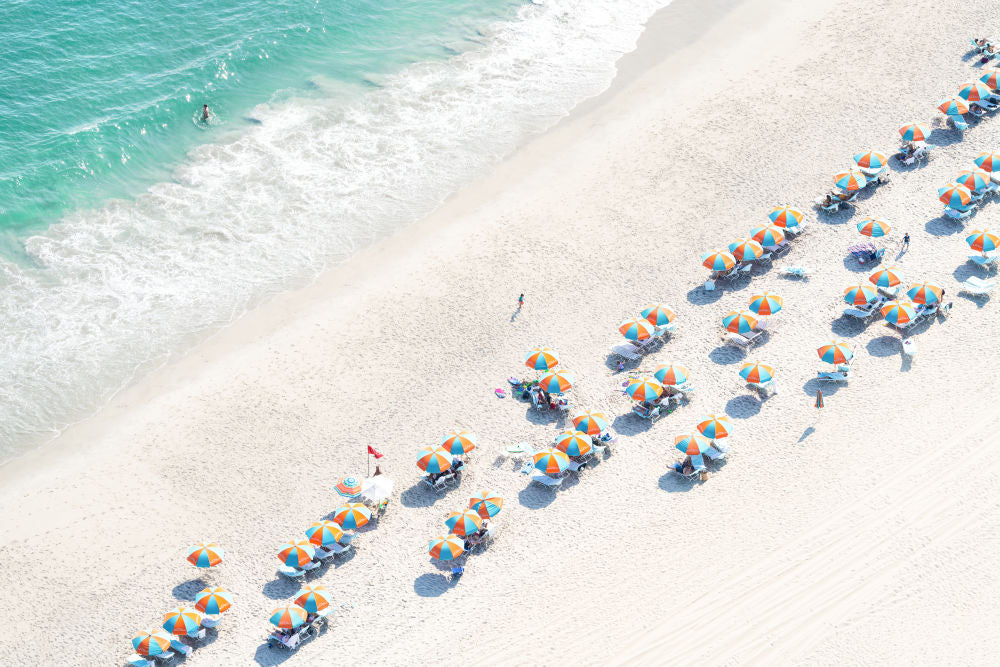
(520, 301)
(906, 241)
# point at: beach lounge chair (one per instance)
(977, 287)
(336, 549)
(167, 656)
(745, 341)
(625, 352)
(137, 660)
(957, 214)
(717, 452)
(890, 292)
(546, 480)
(860, 313)
(797, 271)
(182, 649)
(764, 388)
(979, 47)
(291, 572)
(599, 451)
(833, 376)
(820, 203)
(987, 262)
(958, 122)
(310, 566)
(210, 621)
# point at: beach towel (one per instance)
(499, 392)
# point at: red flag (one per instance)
(374, 452)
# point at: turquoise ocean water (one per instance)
(128, 228)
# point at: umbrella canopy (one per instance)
(556, 382)
(715, 426)
(692, 444)
(459, 442)
(991, 77)
(757, 373)
(573, 443)
(151, 643)
(953, 106)
(718, 260)
(376, 489)
(296, 553)
(983, 240)
(873, 227)
(739, 322)
(860, 295)
(550, 461)
(447, 547)
(835, 352)
(486, 503)
(636, 328)
(591, 423)
(899, 312)
(352, 516)
(288, 616)
(349, 486)
(213, 600)
(541, 359)
(433, 460)
(766, 303)
(205, 554)
(644, 389)
(464, 523)
(671, 373)
(915, 132)
(785, 216)
(872, 160)
(182, 620)
(925, 293)
(768, 235)
(955, 195)
(886, 276)
(988, 162)
(974, 91)
(973, 179)
(746, 250)
(658, 314)
(323, 533)
(850, 180)
(313, 598)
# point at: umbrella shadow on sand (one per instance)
(828, 388)
(942, 226)
(743, 406)
(280, 588)
(536, 497)
(671, 482)
(188, 589)
(433, 584)
(267, 655)
(418, 495)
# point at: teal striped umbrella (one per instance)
(850, 180)
(692, 444)
(974, 91)
(768, 235)
(182, 621)
(213, 600)
(899, 312)
(746, 250)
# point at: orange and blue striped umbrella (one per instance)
(925, 293)
(644, 389)
(692, 444)
(860, 295)
(151, 643)
(768, 235)
(886, 276)
(746, 250)
(573, 443)
(874, 227)
(288, 616)
(991, 77)
(213, 600)
(973, 179)
(671, 373)
(715, 427)
(541, 359)
(850, 180)
(658, 314)
(352, 516)
(182, 621)
(486, 503)
(550, 461)
(766, 303)
(899, 312)
(556, 382)
(983, 240)
(989, 162)
(433, 459)
(871, 160)
(447, 547)
(835, 352)
(739, 322)
(819, 399)
(205, 554)
(757, 373)
(313, 598)
(955, 195)
(459, 442)
(323, 533)
(974, 91)
(915, 132)
(296, 553)
(636, 328)
(464, 523)
(718, 260)
(785, 216)
(952, 106)
(349, 486)
(591, 423)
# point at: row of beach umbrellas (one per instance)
(959, 193)
(482, 506)
(695, 444)
(181, 621)
(761, 305)
(834, 352)
(310, 599)
(970, 91)
(650, 388)
(780, 218)
(650, 318)
(437, 459)
(552, 381)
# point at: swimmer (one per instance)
(204, 112)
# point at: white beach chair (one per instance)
(956, 214)
(546, 480)
(167, 656)
(137, 660)
(323, 553)
(715, 453)
(859, 313)
(833, 376)
(891, 292)
(310, 566)
(182, 649)
(210, 621)
(977, 287)
(958, 122)
(987, 262)
(797, 271)
(764, 388)
(625, 352)
(337, 549)
(291, 572)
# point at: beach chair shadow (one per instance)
(267, 655)
(943, 226)
(671, 482)
(828, 388)
(631, 424)
(852, 264)
(943, 135)
(699, 296)
(743, 406)
(839, 217)
(418, 495)
(188, 589)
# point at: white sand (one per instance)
(868, 536)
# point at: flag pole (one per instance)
(368, 464)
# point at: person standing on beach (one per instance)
(204, 112)
(906, 241)
(520, 301)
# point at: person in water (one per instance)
(204, 112)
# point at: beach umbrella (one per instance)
(873, 227)
(989, 162)
(459, 442)
(644, 389)
(550, 461)
(953, 106)
(288, 616)
(766, 303)
(352, 516)
(447, 547)
(313, 598)
(541, 359)
(756, 372)
(590, 422)
(182, 621)
(835, 352)
(739, 322)
(323, 533)
(785, 216)
(768, 235)
(671, 373)
(464, 523)
(860, 295)
(974, 91)
(205, 554)
(973, 179)
(991, 77)
(296, 553)
(899, 312)
(925, 293)
(715, 426)
(573, 443)
(658, 314)
(556, 382)
(886, 276)
(151, 643)
(955, 195)
(872, 160)
(850, 180)
(746, 250)
(486, 503)
(819, 399)
(349, 486)
(915, 132)
(433, 460)
(636, 328)
(983, 240)
(692, 444)
(213, 600)
(718, 260)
